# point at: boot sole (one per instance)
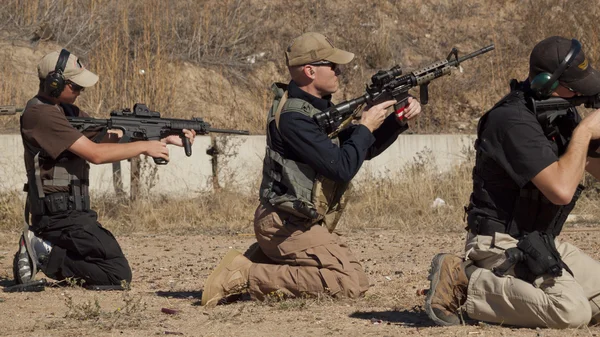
(210, 301)
(434, 277)
(30, 254)
(17, 258)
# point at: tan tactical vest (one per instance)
(308, 194)
(69, 181)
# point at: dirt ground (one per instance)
(169, 271)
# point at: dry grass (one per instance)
(403, 201)
(239, 47)
(216, 59)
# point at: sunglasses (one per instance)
(324, 63)
(76, 87)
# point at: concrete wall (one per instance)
(239, 164)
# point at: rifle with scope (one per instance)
(392, 85)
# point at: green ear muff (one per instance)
(539, 83)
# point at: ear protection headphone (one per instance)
(543, 84)
(55, 81)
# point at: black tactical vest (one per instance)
(532, 211)
(70, 171)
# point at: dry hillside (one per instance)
(217, 59)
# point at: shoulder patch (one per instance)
(299, 105)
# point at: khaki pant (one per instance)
(554, 302)
(305, 261)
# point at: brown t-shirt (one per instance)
(45, 126)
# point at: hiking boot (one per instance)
(448, 289)
(32, 254)
(229, 278)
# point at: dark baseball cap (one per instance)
(547, 56)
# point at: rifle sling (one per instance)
(280, 107)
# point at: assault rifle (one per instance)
(557, 117)
(142, 124)
(391, 84)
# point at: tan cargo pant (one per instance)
(305, 261)
(553, 302)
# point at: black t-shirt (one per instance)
(515, 150)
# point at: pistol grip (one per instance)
(399, 110)
(187, 146)
(160, 161)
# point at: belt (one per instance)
(61, 202)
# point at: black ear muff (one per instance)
(543, 84)
(54, 84)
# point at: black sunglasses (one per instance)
(75, 87)
(325, 63)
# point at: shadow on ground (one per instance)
(180, 294)
(6, 282)
(409, 318)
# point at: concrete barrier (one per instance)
(239, 164)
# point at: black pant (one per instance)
(82, 249)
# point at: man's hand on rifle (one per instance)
(156, 149)
(375, 115)
(412, 110)
(176, 139)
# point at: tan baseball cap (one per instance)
(314, 47)
(74, 71)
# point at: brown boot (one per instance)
(229, 278)
(448, 290)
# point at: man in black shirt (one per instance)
(305, 175)
(525, 183)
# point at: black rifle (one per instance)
(139, 124)
(390, 84)
(144, 124)
(558, 118)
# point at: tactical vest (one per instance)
(295, 187)
(532, 210)
(70, 174)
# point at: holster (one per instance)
(541, 255)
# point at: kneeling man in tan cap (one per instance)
(305, 175)
(63, 237)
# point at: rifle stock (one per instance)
(557, 114)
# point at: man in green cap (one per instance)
(305, 175)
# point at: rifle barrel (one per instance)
(473, 54)
(235, 132)
(9, 110)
